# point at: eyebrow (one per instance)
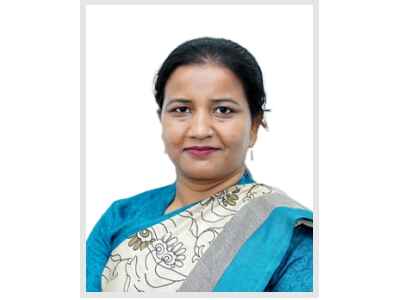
(178, 100)
(216, 100)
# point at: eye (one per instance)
(180, 109)
(224, 110)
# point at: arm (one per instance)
(295, 274)
(98, 251)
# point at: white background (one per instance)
(126, 45)
(359, 149)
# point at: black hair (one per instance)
(223, 52)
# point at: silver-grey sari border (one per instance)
(211, 266)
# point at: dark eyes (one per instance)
(180, 109)
(220, 110)
(224, 110)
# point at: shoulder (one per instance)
(150, 199)
(122, 210)
(278, 206)
(106, 230)
(284, 198)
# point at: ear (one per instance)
(255, 125)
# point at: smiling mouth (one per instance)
(201, 152)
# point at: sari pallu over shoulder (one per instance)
(251, 247)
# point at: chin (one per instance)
(201, 173)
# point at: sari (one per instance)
(242, 239)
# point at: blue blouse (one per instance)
(126, 216)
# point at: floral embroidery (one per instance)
(141, 239)
(230, 198)
(256, 189)
(169, 251)
(202, 242)
(226, 197)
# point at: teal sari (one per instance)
(256, 251)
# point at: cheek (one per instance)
(237, 136)
(236, 144)
(172, 135)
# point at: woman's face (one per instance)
(206, 121)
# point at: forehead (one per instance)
(204, 81)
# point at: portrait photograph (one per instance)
(198, 147)
(190, 149)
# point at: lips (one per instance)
(201, 148)
(201, 151)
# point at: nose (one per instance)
(200, 126)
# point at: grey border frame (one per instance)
(83, 5)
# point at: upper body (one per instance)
(211, 100)
(128, 216)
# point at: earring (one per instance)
(251, 154)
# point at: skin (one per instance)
(196, 112)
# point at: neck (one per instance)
(189, 190)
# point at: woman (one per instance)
(214, 228)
